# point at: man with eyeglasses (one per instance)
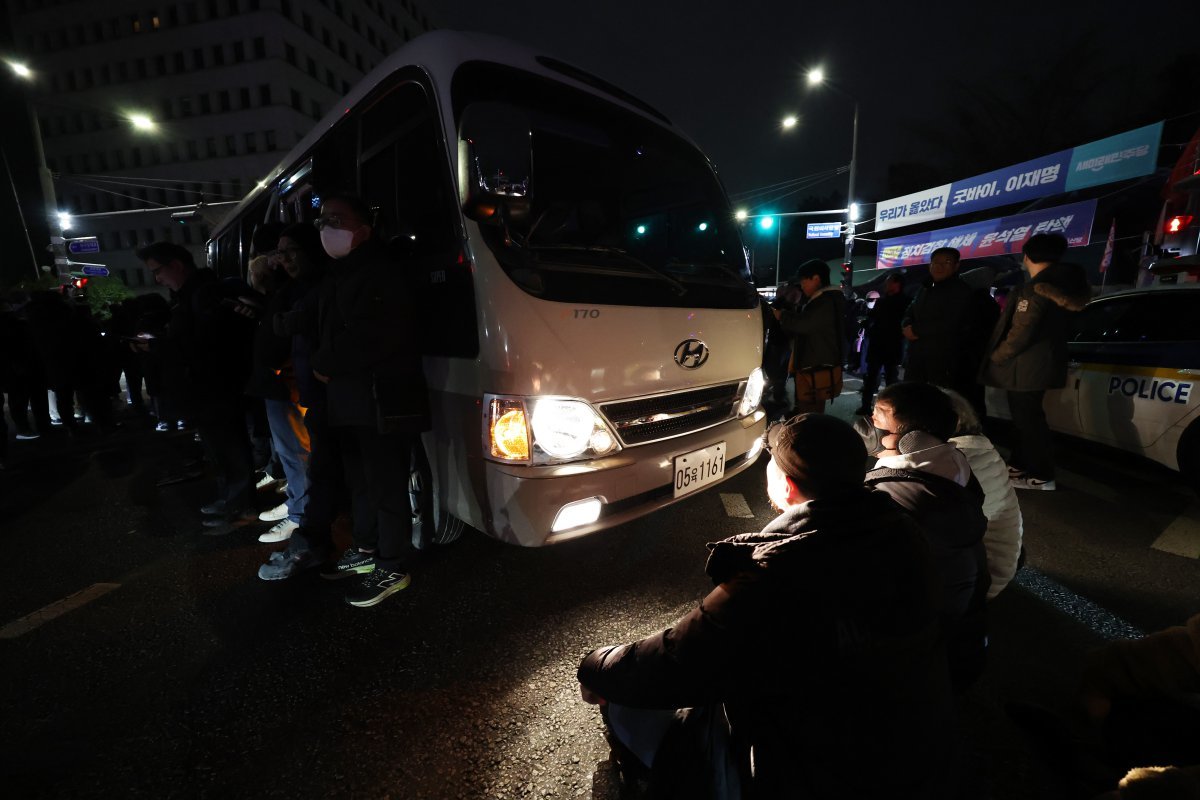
(377, 401)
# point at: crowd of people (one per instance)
(838, 636)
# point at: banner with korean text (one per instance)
(991, 237)
(1127, 155)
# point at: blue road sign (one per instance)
(96, 272)
(824, 230)
(88, 244)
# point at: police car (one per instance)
(1133, 379)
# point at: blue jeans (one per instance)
(290, 438)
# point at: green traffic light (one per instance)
(641, 229)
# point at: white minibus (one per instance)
(592, 339)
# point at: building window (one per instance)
(244, 96)
(269, 140)
(345, 87)
(358, 62)
(205, 104)
(71, 78)
(102, 161)
(330, 81)
(371, 36)
(341, 49)
(285, 7)
(230, 145)
(178, 62)
(297, 103)
(354, 23)
(192, 152)
(155, 155)
(233, 7)
(197, 58)
(135, 24)
(326, 38)
(173, 151)
(312, 69)
(316, 110)
(264, 95)
(105, 74)
(218, 54)
(210, 146)
(122, 72)
(135, 157)
(289, 54)
(260, 47)
(251, 140)
(185, 106)
(155, 23)
(223, 99)
(191, 12)
(160, 65)
(239, 52)
(119, 159)
(168, 108)
(213, 13)
(88, 79)
(139, 68)
(306, 23)
(254, 5)
(172, 15)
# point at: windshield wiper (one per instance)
(679, 287)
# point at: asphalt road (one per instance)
(179, 674)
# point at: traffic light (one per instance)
(79, 283)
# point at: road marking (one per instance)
(736, 506)
(1099, 619)
(40, 617)
(1182, 537)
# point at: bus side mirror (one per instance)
(501, 206)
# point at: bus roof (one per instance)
(440, 53)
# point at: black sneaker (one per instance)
(353, 562)
(232, 520)
(375, 587)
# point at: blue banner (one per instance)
(1127, 155)
(991, 237)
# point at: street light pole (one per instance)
(778, 247)
(851, 207)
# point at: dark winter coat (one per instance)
(940, 317)
(301, 323)
(271, 376)
(205, 349)
(817, 329)
(369, 346)
(932, 480)
(1028, 349)
(885, 342)
(821, 642)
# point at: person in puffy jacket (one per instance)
(818, 338)
(1005, 528)
(814, 668)
(928, 477)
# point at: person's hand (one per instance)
(320, 377)
(591, 697)
(909, 333)
(891, 445)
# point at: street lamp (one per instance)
(816, 77)
(789, 121)
(21, 71)
(142, 122)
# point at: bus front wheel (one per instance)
(432, 524)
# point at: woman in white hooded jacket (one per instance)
(1005, 528)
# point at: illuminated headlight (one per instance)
(753, 395)
(548, 430)
(755, 449)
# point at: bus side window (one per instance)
(404, 173)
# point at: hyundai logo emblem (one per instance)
(691, 354)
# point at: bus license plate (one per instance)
(699, 468)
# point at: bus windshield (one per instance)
(616, 209)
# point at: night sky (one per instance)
(726, 73)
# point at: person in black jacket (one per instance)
(377, 401)
(931, 479)
(818, 338)
(814, 668)
(1028, 352)
(885, 342)
(205, 349)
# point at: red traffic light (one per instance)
(1178, 223)
(80, 283)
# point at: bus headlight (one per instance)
(753, 394)
(549, 430)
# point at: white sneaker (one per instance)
(265, 480)
(280, 532)
(1026, 482)
(275, 514)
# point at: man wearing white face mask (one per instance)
(377, 401)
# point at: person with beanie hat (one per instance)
(814, 668)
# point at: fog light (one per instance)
(581, 512)
(601, 442)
